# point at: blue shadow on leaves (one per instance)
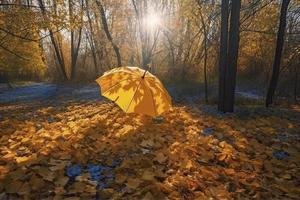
(208, 131)
(73, 171)
(99, 173)
(280, 155)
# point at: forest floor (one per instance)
(69, 143)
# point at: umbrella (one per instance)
(135, 91)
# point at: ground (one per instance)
(69, 143)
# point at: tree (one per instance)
(148, 33)
(107, 32)
(278, 53)
(91, 39)
(21, 54)
(74, 47)
(228, 54)
(55, 43)
(296, 82)
(205, 26)
(223, 53)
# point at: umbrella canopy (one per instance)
(135, 91)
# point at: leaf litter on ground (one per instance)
(91, 149)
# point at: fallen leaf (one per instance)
(4, 170)
(106, 193)
(22, 159)
(120, 179)
(148, 196)
(133, 183)
(25, 189)
(78, 187)
(59, 190)
(13, 187)
(72, 198)
(61, 181)
(46, 174)
(36, 182)
(160, 157)
(189, 164)
(147, 143)
(148, 175)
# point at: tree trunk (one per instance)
(205, 68)
(59, 56)
(74, 49)
(233, 51)
(94, 54)
(4, 79)
(205, 33)
(107, 32)
(296, 84)
(223, 53)
(58, 53)
(91, 40)
(228, 54)
(278, 53)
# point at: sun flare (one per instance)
(152, 21)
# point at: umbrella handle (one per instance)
(149, 67)
(144, 74)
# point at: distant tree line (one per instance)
(220, 43)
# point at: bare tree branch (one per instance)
(10, 51)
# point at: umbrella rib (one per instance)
(109, 82)
(115, 85)
(133, 95)
(112, 73)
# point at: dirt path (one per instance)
(45, 91)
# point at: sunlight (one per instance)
(152, 21)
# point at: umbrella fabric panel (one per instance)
(142, 101)
(111, 80)
(161, 101)
(155, 83)
(122, 92)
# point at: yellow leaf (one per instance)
(9, 156)
(59, 190)
(160, 157)
(61, 181)
(45, 174)
(120, 179)
(148, 196)
(36, 182)
(106, 193)
(147, 143)
(16, 175)
(148, 175)
(26, 158)
(189, 164)
(25, 189)
(4, 170)
(79, 187)
(133, 183)
(72, 198)
(222, 157)
(90, 189)
(22, 159)
(13, 187)
(286, 176)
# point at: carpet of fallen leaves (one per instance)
(190, 154)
